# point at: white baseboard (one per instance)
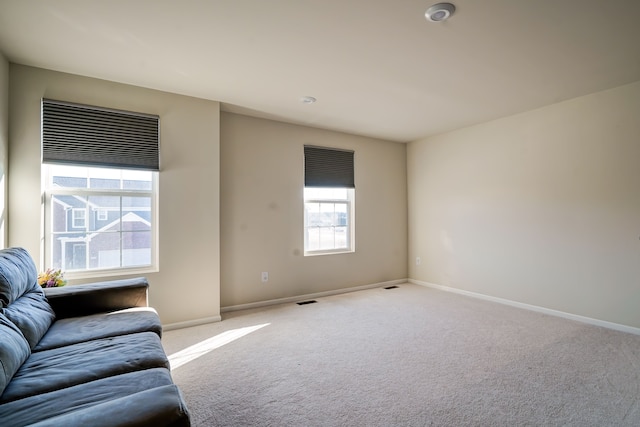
(188, 323)
(583, 319)
(309, 296)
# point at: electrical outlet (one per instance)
(418, 260)
(265, 276)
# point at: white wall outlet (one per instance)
(418, 260)
(265, 276)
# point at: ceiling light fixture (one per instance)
(308, 100)
(440, 12)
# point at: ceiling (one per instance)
(377, 67)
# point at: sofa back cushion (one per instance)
(22, 300)
(32, 314)
(17, 274)
(14, 350)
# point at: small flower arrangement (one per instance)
(51, 278)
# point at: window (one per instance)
(78, 216)
(120, 234)
(328, 201)
(328, 220)
(100, 172)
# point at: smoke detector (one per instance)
(440, 12)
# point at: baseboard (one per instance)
(583, 319)
(309, 296)
(188, 323)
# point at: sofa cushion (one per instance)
(32, 314)
(14, 350)
(67, 366)
(66, 401)
(158, 407)
(17, 274)
(78, 329)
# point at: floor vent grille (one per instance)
(391, 287)
(312, 301)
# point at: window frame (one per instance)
(349, 201)
(48, 191)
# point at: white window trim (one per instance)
(106, 272)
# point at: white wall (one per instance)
(4, 146)
(187, 286)
(262, 180)
(541, 208)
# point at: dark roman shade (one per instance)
(94, 136)
(328, 167)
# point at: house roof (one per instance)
(377, 67)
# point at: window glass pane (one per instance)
(313, 238)
(136, 248)
(341, 214)
(325, 193)
(136, 180)
(104, 173)
(104, 250)
(136, 213)
(137, 185)
(104, 183)
(341, 237)
(312, 214)
(68, 176)
(76, 255)
(327, 238)
(69, 251)
(104, 178)
(99, 178)
(327, 211)
(68, 213)
(69, 182)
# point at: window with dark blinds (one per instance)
(328, 167)
(94, 136)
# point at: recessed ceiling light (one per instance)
(308, 100)
(440, 12)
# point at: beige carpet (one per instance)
(410, 356)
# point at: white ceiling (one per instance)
(377, 67)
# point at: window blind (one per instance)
(328, 167)
(94, 136)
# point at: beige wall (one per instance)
(4, 145)
(262, 212)
(541, 208)
(187, 286)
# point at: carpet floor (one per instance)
(409, 356)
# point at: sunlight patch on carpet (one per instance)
(203, 347)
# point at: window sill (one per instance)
(100, 274)
(330, 252)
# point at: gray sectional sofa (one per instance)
(85, 355)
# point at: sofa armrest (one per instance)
(98, 297)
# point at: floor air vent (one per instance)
(391, 287)
(311, 301)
